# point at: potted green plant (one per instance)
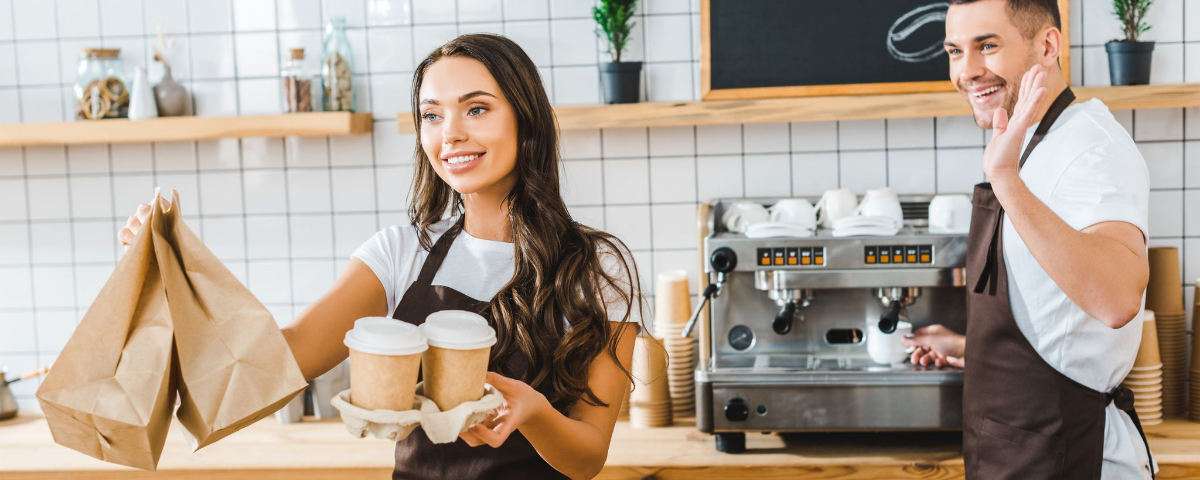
(620, 81)
(1129, 59)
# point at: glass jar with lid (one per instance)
(337, 69)
(297, 83)
(100, 85)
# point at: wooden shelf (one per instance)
(849, 107)
(184, 128)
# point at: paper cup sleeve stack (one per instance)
(1164, 296)
(1146, 378)
(451, 351)
(672, 308)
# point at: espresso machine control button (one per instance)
(736, 410)
(926, 253)
(871, 255)
(764, 257)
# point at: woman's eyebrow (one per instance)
(477, 93)
(473, 95)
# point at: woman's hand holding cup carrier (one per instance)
(522, 405)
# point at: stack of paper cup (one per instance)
(1146, 379)
(650, 401)
(1164, 295)
(1194, 406)
(672, 307)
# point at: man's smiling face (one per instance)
(988, 56)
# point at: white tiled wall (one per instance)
(285, 214)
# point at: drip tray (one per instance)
(822, 369)
(829, 362)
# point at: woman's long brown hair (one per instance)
(554, 313)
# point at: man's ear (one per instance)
(1050, 46)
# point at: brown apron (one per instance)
(416, 457)
(1022, 419)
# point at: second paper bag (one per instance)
(234, 366)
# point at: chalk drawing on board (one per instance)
(934, 12)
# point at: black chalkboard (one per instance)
(837, 46)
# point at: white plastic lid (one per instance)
(385, 336)
(458, 330)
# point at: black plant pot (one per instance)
(1129, 62)
(621, 81)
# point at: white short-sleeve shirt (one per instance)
(1087, 170)
(475, 267)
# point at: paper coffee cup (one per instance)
(385, 356)
(456, 364)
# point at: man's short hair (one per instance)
(1029, 15)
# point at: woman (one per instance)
(558, 293)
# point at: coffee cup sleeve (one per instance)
(444, 427)
(389, 424)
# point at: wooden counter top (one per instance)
(323, 450)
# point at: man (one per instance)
(1056, 263)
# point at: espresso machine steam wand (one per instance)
(723, 261)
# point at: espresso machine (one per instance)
(783, 347)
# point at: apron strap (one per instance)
(437, 254)
(1123, 397)
(989, 275)
(991, 272)
(1060, 104)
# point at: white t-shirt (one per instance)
(475, 267)
(1087, 170)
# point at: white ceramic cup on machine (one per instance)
(950, 214)
(887, 348)
(881, 202)
(794, 211)
(835, 204)
(740, 215)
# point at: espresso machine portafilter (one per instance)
(785, 348)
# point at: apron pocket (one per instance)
(1005, 452)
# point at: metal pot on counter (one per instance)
(8, 403)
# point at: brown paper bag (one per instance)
(111, 392)
(170, 319)
(235, 368)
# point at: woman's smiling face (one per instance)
(468, 127)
